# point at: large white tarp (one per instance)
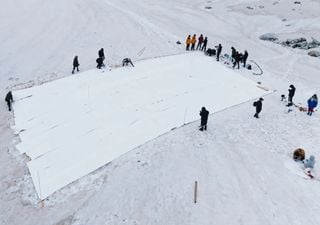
(73, 126)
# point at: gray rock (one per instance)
(269, 37)
(314, 53)
(301, 43)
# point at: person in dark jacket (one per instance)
(204, 44)
(9, 99)
(126, 62)
(236, 60)
(219, 49)
(233, 54)
(200, 41)
(292, 91)
(312, 103)
(101, 53)
(75, 64)
(99, 62)
(258, 105)
(204, 118)
(245, 57)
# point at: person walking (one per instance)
(9, 99)
(292, 91)
(188, 42)
(193, 42)
(245, 57)
(258, 105)
(312, 103)
(200, 41)
(204, 44)
(204, 118)
(219, 49)
(75, 64)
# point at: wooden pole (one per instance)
(195, 191)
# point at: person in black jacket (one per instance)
(237, 59)
(9, 99)
(204, 118)
(258, 105)
(292, 91)
(126, 62)
(204, 44)
(101, 53)
(233, 54)
(75, 64)
(219, 49)
(245, 57)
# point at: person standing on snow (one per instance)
(312, 103)
(75, 64)
(200, 41)
(204, 44)
(292, 91)
(193, 42)
(236, 58)
(219, 49)
(245, 57)
(188, 42)
(9, 99)
(258, 105)
(204, 118)
(233, 54)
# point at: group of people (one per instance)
(299, 156)
(202, 42)
(312, 102)
(99, 61)
(238, 57)
(192, 41)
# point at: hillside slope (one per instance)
(243, 165)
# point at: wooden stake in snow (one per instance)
(195, 191)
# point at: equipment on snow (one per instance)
(195, 191)
(260, 70)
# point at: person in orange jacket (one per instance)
(193, 42)
(188, 42)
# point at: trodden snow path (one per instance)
(95, 117)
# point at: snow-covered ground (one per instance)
(241, 164)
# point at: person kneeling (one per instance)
(126, 62)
